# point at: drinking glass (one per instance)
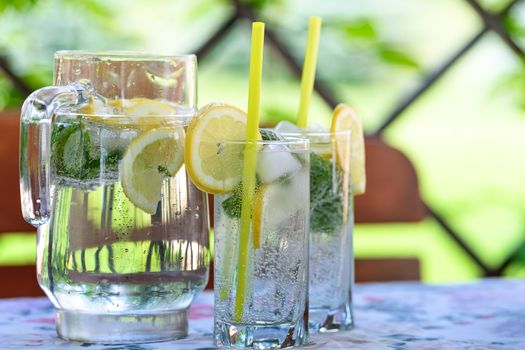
(122, 245)
(331, 226)
(272, 310)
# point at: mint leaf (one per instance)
(326, 195)
(163, 170)
(270, 135)
(76, 156)
(112, 159)
(70, 153)
(232, 205)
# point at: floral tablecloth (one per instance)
(488, 314)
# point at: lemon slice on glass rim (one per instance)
(214, 164)
(346, 118)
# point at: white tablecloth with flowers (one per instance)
(487, 314)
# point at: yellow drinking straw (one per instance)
(308, 76)
(250, 161)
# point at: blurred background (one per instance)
(441, 80)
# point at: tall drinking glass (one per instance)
(272, 311)
(331, 226)
(123, 241)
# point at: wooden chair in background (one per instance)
(17, 280)
(392, 196)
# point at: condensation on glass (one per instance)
(114, 272)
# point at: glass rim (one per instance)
(125, 117)
(291, 141)
(315, 133)
(121, 55)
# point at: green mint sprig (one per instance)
(75, 155)
(326, 195)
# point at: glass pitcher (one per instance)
(123, 243)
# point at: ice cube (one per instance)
(276, 161)
(281, 201)
(317, 135)
(315, 128)
(113, 139)
(285, 127)
(98, 106)
(299, 183)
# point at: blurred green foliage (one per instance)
(372, 53)
(259, 4)
(515, 24)
(514, 21)
(365, 29)
(515, 82)
(31, 31)
(494, 5)
(16, 4)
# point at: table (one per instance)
(486, 314)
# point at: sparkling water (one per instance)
(109, 256)
(331, 271)
(331, 249)
(331, 278)
(274, 306)
(100, 255)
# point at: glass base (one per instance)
(114, 329)
(256, 336)
(327, 320)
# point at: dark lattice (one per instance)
(491, 22)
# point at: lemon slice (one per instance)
(257, 216)
(149, 158)
(345, 118)
(139, 113)
(143, 107)
(148, 114)
(213, 165)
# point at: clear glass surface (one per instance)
(274, 307)
(116, 270)
(331, 226)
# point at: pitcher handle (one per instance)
(35, 146)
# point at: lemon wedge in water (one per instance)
(149, 158)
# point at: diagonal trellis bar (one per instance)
(220, 33)
(487, 271)
(510, 259)
(432, 78)
(439, 72)
(17, 82)
(494, 23)
(245, 12)
(321, 89)
(491, 22)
